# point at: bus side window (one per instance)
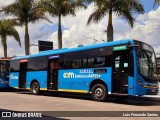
(91, 62)
(76, 63)
(126, 63)
(67, 64)
(117, 63)
(61, 65)
(100, 62)
(84, 63)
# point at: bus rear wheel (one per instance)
(99, 92)
(35, 88)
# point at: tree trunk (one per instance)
(27, 41)
(5, 46)
(110, 28)
(59, 33)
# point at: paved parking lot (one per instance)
(24, 101)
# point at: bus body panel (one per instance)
(14, 79)
(148, 89)
(40, 76)
(63, 84)
(3, 83)
(131, 87)
(80, 79)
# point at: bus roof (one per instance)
(65, 50)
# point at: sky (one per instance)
(75, 30)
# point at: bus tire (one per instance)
(99, 92)
(35, 88)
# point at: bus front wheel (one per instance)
(99, 92)
(35, 89)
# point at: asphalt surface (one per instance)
(72, 106)
(24, 101)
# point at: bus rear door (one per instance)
(22, 73)
(52, 83)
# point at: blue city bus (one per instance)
(125, 67)
(4, 73)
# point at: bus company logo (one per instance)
(13, 77)
(72, 75)
(68, 75)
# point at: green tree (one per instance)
(25, 11)
(59, 8)
(7, 29)
(121, 8)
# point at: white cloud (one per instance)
(146, 28)
(77, 30)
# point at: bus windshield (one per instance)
(146, 60)
(4, 68)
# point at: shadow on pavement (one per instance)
(9, 90)
(128, 100)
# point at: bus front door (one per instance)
(53, 74)
(22, 75)
(120, 71)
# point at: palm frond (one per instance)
(127, 15)
(96, 16)
(24, 10)
(7, 29)
(63, 7)
(135, 6)
(49, 6)
(156, 2)
(15, 34)
(102, 7)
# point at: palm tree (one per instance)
(25, 11)
(7, 29)
(156, 2)
(59, 8)
(121, 8)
